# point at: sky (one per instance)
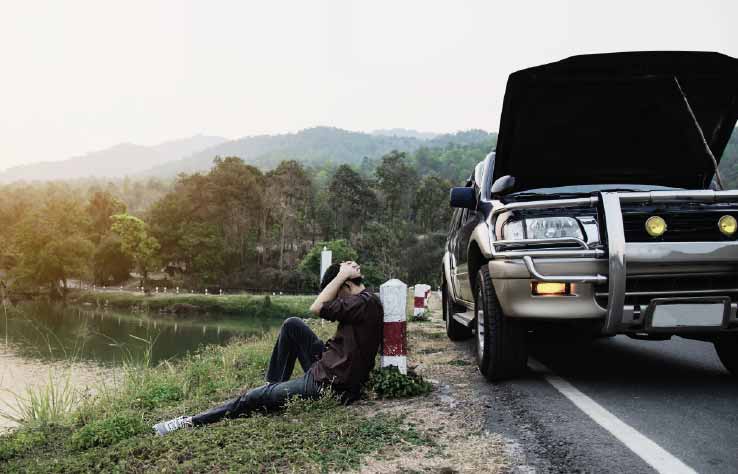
(79, 76)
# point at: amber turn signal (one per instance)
(655, 226)
(728, 225)
(547, 289)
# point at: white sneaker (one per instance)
(173, 425)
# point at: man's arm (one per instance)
(330, 292)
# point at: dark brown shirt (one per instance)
(349, 355)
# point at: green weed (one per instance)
(20, 442)
(388, 382)
(107, 431)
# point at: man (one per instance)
(342, 363)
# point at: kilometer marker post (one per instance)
(393, 295)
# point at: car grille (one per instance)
(698, 225)
(640, 291)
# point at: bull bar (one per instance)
(618, 252)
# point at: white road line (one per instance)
(653, 454)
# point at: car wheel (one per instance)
(501, 350)
(454, 329)
(727, 350)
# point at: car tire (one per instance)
(454, 329)
(727, 350)
(500, 341)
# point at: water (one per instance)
(48, 332)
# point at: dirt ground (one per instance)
(452, 415)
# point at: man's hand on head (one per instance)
(349, 270)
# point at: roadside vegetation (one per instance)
(276, 306)
(111, 431)
(236, 226)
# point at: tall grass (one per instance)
(53, 402)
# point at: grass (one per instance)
(51, 403)
(253, 305)
(111, 432)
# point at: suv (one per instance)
(598, 209)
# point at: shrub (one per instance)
(157, 393)
(107, 431)
(20, 441)
(388, 382)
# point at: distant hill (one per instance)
(117, 161)
(405, 132)
(312, 146)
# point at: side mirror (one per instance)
(502, 185)
(464, 198)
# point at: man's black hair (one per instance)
(332, 272)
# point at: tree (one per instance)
(101, 207)
(341, 249)
(292, 192)
(431, 207)
(380, 250)
(51, 244)
(396, 180)
(351, 201)
(110, 264)
(136, 242)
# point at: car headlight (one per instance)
(542, 228)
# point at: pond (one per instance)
(54, 332)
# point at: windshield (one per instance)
(592, 188)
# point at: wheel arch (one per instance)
(475, 261)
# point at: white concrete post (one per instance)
(326, 257)
(419, 302)
(393, 294)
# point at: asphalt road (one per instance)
(674, 392)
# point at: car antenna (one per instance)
(701, 133)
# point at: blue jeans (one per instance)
(296, 342)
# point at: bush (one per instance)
(20, 441)
(158, 392)
(107, 431)
(388, 382)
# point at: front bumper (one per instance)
(602, 278)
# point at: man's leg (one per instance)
(267, 397)
(296, 341)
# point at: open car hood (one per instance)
(618, 118)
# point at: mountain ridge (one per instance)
(116, 161)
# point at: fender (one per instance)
(480, 236)
(447, 274)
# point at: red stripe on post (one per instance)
(395, 336)
(419, 302)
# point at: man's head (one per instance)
(350, 287)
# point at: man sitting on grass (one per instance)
(343, 363)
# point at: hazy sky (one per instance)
(76, 76)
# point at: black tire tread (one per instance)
(726, 347)
(506, 337)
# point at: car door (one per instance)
(468, 224)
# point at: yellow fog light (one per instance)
(728, 225)
(546, 289)
(655, 226)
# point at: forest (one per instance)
(236, 226)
